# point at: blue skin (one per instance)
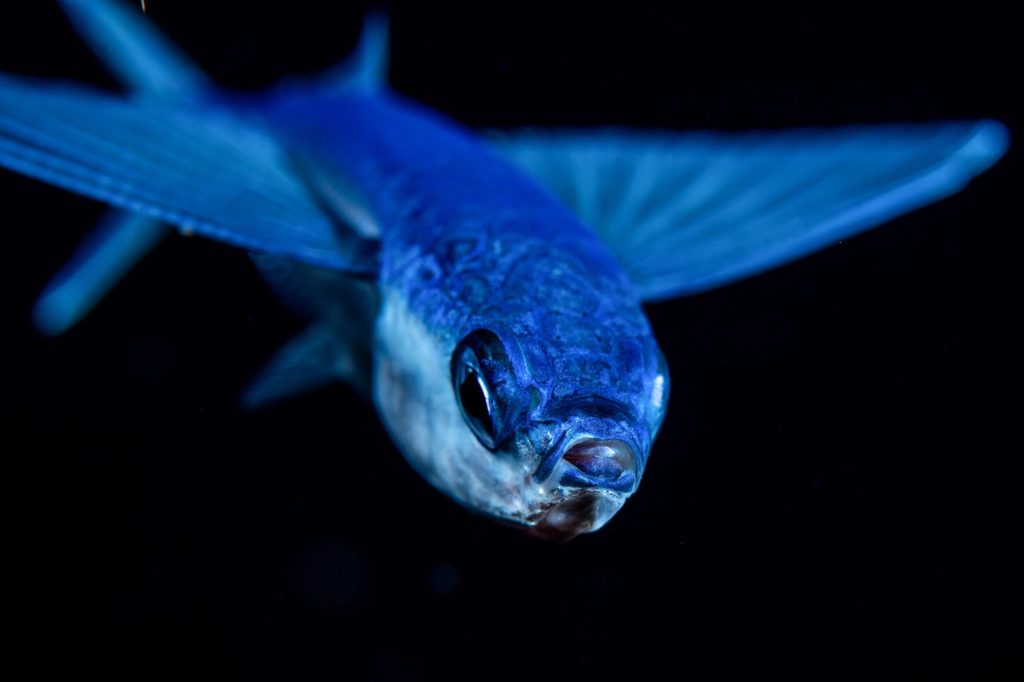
(472, 243)
(511, 360)
(504, 346)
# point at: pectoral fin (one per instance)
(106, 255)
(199, 168)
(318, 357)
(691, 211)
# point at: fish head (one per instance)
(551, 435)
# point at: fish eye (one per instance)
(479, 352)
(475, 398)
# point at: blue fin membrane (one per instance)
(101, 261)
(305, 363)
(97, 145)
(133, 50)
(314, 359)
(313, 292)
(688, 212)
(203, 170)
(337, 344)
(367, 67)
(151, 67)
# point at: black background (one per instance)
(833, 493)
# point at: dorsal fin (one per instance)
(367, 67)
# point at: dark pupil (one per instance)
(474, 402)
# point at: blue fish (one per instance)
(486, 294)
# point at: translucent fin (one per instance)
(119, 241)
(199, 169)
(317, 293)
(367, 67)
(692, 211)
(150, 66)
(338, 197)
(133, 49)
(335, 347)
(318, 357)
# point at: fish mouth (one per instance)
(608, 464)
(580, 512)
(592, 463)
(591, 480)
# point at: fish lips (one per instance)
(581, 512)
(593, 463)
(595, 476)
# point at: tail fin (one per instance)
(366, 68)
(133, 49)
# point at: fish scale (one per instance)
(485, 293)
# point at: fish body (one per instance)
(472, 243)
(486, 295)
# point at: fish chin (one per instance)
(579, 512)
(413, 394)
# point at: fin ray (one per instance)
(114, 246)
(699, 210)
(330, 350)
(199, 168)
(133, 49)
(305, 363)
(366, 68)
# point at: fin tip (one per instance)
(366, 66)
(991, 139)
(51, 317)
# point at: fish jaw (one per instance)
(414, 396)
(581, 511)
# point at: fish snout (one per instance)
(594, 477)
(608, 464)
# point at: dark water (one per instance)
(834, 492)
